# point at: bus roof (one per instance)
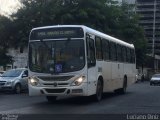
(92, 31)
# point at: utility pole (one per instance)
(153, 44)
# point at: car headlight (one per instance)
(33, 81)
(78, 81)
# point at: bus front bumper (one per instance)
(59, 91)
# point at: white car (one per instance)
(14, 80)
(155, 80)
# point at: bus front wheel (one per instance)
(99, 91)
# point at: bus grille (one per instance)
(55, 78)
(59, 84)
(55, 90)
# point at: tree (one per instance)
(6, 58)
(133, 33)
(103, 15)
(5, 30)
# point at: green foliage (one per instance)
(102, 15)
(6, 58)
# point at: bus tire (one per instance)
(51, 98)
(99, 91)
(124, 88)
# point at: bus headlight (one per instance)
(33, 81)
(78, 81)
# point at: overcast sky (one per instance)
(8, 6)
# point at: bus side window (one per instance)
(113, 51)
(98, 44)
(122, 58)
(90, 52)
(132, 56)
(128, 55)
(115, 47)
(119, 53)
(106, 49)
(124, 54)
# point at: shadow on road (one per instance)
(12, 92)
(82, 100)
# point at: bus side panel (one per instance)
(115, 76)
(106, 73)
(92, 80)
(130, 73)
(120, 75)
(134, 73)
(126, 72)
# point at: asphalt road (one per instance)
(140, 98)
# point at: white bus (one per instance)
(75, 60)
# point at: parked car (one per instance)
(14, 80)
(155, 79)
(1, 72)
(141, 77)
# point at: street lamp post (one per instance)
(153, 44)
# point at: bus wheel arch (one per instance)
(99, 89)
(124, 86)
(125, 81)
(101, 79)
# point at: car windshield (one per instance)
(12, 73)
(157, 75)
(57, 56)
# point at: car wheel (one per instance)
(51, 98)
(17, 89)
(99, 91)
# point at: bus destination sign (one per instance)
(55, 33)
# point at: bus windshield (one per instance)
(56, 56)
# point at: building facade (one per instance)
(149, 11)
(20, 57)
(126, 1)
(129, 1)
